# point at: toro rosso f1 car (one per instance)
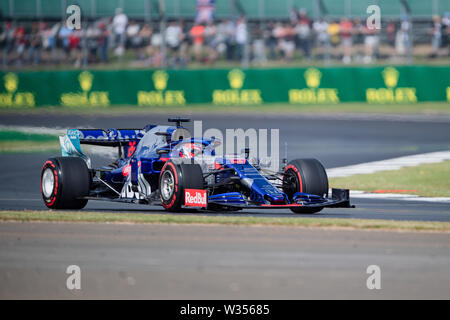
(164, 165)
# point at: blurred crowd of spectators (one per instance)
(231, 40)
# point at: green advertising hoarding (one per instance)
(402, 84)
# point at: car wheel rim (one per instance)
(290, 184)
(48, 182)
(167, 185)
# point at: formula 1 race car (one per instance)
(164, 165)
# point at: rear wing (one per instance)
(125, 139)
(110, 137)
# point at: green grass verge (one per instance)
(12, 135)
(99, 217)
(270, 108)
(20, 142)
(428, 180)
(28, 147)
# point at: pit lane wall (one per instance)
(299, 86)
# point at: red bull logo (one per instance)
(195, 198)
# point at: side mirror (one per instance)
(246, 152)
(162, 151)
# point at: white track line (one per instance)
(391, 164)
(355, 194)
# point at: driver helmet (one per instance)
(189, 150)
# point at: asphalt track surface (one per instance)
(207, 262)
(334, 141)
(21, 191)
(221, 262)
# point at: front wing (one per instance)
(340, 198)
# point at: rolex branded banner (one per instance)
(222, 87)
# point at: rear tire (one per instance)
(64, 180)
(307, 176)
(174, 179)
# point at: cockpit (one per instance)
(175, 142)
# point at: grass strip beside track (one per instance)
(28, 147)
(19, 142)
(295, 221)
(427, 180)
(269, 108)
(12, 135)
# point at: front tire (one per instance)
(174, 179)
(306, 176)
(64, 180)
